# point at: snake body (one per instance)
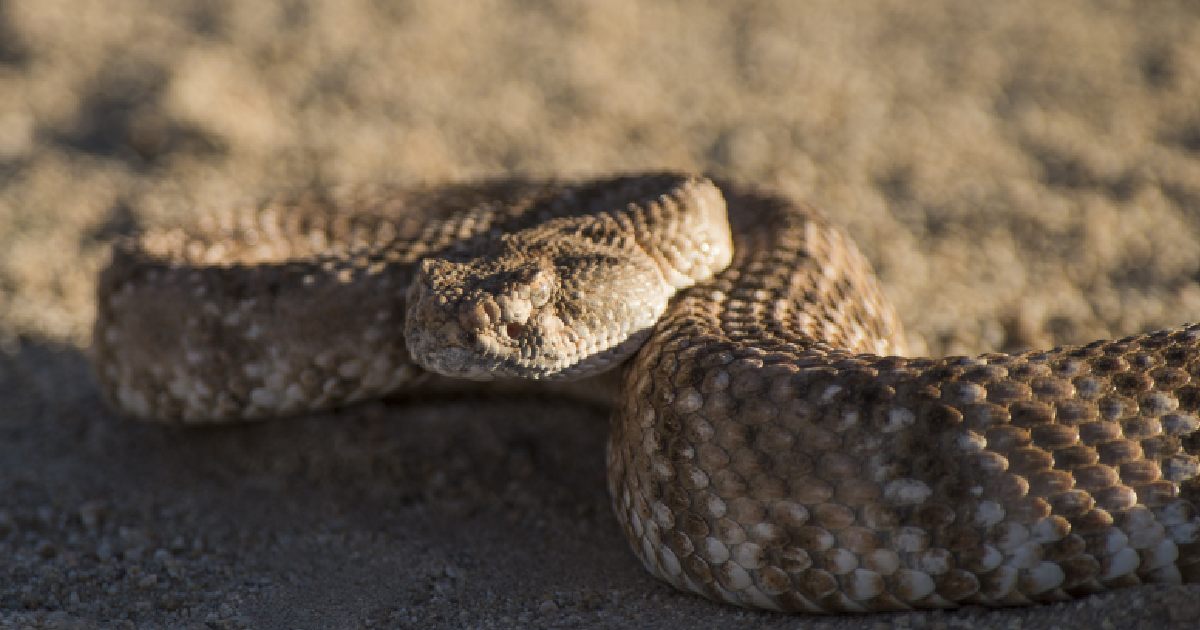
(769, 446)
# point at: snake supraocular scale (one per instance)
(766, 450)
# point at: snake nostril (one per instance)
(514, 329)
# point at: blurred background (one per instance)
(1021, 173)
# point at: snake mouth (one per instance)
(452, 351)
(486, 358)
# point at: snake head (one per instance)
(532, 310)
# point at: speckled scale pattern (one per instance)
(765, 452)
(573, 295)
(769, 447)
(299, 303)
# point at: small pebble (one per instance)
(46, 549)
(92, 513)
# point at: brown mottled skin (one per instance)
(765, 451)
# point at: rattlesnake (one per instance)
(768, 447)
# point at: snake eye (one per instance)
(514, 330)
(540, 284)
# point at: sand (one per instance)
(1022, 174)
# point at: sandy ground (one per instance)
(1021, 173)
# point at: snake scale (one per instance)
(770, 447)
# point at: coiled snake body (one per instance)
(766, 450)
